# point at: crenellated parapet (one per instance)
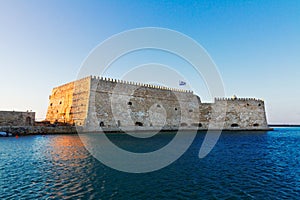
(101, 78)
(236, 99)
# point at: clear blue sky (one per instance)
(255, 45)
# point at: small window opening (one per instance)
(234, 125)
(256, 124)
(101, 124)
(138, 123)
(130, 103)
(28, 121)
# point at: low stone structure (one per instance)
(37, 130)
(14, 118)
(111, 104)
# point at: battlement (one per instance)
(124, 82)
(237, 99)
(139, 84)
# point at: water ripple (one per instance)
(241, 166)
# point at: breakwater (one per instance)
(37, 130)
(46, 130)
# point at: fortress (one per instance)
(111, 104)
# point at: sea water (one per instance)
(242, 165)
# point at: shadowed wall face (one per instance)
(125, 105)
(12, 118)
(244, 113)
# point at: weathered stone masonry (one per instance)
(14, 118)
(102, 102)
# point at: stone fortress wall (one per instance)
(118, 104)
(13, 118)
(67, 105)
(108, 103)
(245, 113)
(61, 100)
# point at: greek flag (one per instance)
(181, 83)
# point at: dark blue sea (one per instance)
(242, 165)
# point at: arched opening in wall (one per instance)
(259, 104)
(101, 124)
(138, 123)
(199, 125)
(183, 124)
(28, 121)
(158, 106)
(119, 123)
(256, 125)
(129, 103)
(175, 108)
(60, 102)
(234, 125)
(51, 104)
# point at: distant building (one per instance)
(16, 118)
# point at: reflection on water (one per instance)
(67, 150)
(242, 165)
